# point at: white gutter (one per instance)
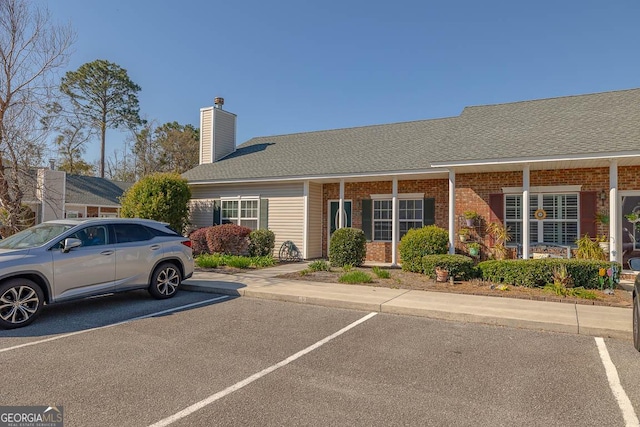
(321, 177)
(603, 156)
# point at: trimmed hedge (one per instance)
(261, 242)
(459, 266)
(348, 246)
(418, 242)
(539, 272)
(230, 239)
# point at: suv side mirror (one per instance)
(71, 243)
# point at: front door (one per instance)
(334, 217)
(630, 210)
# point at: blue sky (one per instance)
(294, 66)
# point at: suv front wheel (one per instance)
(20, 303)
(165, 281)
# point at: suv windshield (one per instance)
(34, 236)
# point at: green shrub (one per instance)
(418, 242)
(320, 265)
(261, 242)
(347, 246)
(263, 261)
(208, 261)
(539, 272)
(459, 266)
(238, 261)
(161, 196)
(355, 276)
(199, 241)
(381, 273)
(229, 239)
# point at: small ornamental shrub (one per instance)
(229, 239)
(539, 272)
(261, 242)
(418, 242)
(355, 276)
(347, 246)
(460, 267)
(381, 272)
(199, 241)
(263, 261)
(238, 261)
(319, 265)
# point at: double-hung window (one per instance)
(410, 215)
(243, 212)
(558, 225)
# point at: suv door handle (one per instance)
(155, 247)
(109, 252)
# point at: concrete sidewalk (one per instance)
(549, 316)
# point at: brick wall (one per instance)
(472, 193)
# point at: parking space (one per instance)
(239, 362)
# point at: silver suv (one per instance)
(69, 259)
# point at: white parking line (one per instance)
(237, 386)
(628, 413)
(157, 313)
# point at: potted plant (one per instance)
(602, 217)
(442, 274)
(474, 249)
(464, 234)
(603, 242)
(632, 217)
(470, 216)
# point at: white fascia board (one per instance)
(487, 162)
(320, 177)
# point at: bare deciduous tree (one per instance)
(32, 49)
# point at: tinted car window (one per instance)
(167, 232)
(34, 236)
(126, 233)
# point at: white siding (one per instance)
(200, 213)
(206, 135)
(224, 133)
(314, 222)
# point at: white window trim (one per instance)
(389, 198)
(556, 189)
(539, 196)
(72, 213)
(240, 199)
(400, 196)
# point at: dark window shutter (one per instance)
(264, 213)
(216, 212)
(496, 205)
(367, 218)
(429, 211)
(588, 208)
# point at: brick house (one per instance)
(561, 160)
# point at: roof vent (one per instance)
(219, 102)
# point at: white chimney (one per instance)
(217, 132)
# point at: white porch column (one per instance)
(452, 211)
(614, 251)
(341, 205)
(394, 222)
(525, 212)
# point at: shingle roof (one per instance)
(567, 126)
(599, 123)
(92, 190)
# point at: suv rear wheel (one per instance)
(20, 303)
(165, 281)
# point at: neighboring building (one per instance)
(558, 162)
(54, 194)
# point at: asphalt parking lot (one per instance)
(203, 359)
